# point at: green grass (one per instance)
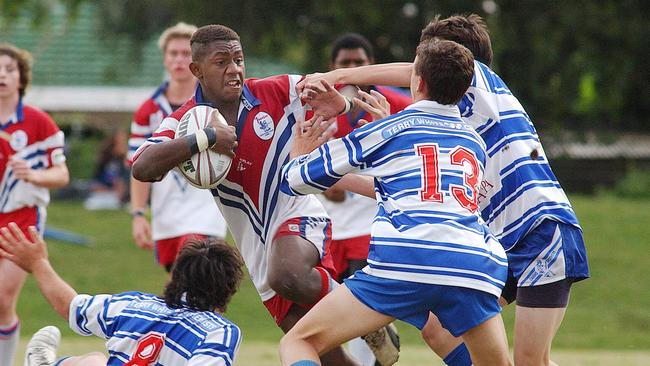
(608, 311)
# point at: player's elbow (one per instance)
(142, 171)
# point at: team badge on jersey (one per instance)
(18, 140)
(263, 125)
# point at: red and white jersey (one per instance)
(177, 208)
(249, 197)
(29, 134)
(353, 217)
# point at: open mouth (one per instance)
(234, 84)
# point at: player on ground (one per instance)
(429, 250)
(519, 198)
(179, 211)
(31, 162)
(183, 328)
(352, 213)
(283, 239)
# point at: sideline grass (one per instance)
(607, 312)
(266, 354)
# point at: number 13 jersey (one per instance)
(427, 164)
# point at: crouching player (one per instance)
(184, 327)
(429, 249)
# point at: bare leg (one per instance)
(488, 344)
(12, 281)
(291, 269)
(534, 332)
(314, 334)
(438, 338)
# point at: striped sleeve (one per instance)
(219, 348)
(94, 315)
(141, 127)
(165, 132)
(323, 167)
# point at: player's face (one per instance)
(221, 71)
(9, 76)
(177, 58)
(351, 57)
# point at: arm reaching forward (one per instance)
(31, 256)
(393, 74)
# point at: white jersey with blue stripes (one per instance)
(519, 190)
(138, 325)
(427, 164)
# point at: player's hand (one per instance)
(324, 100)
(309, 135)
(314, 79)
(226, 136)
(374, 103)
(25, 253)
(335, 194)
(23, 171)
(142, 233)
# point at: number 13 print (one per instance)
(431, 175)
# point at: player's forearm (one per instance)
(56, 176)
(156, 160)
(393, 74)
(358, 184)
(57, 292)
(139, 194)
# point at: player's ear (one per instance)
(196, 70)
(422, 85)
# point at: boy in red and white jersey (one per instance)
(179, 211)
(31, 162)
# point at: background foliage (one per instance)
(575, 64)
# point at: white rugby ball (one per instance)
(205, 169)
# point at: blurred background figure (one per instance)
(109, 187)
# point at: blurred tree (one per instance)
(573, 64)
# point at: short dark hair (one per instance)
(208, 34)
(468, 30)
(351, 41)
(24, 60)
(205, 275)
(447, 69)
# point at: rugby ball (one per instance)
(205, 169)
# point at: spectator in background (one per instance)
(178, 210)
(31, 162)
(109, 186)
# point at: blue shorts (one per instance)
(551, 252)
(459, 309)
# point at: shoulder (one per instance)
(145, 109)
(178, 114)
(37, 115)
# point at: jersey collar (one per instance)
(435, 107)
(18, 116)
(160, 99)
(248, 99)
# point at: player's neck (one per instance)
(179, 91)
(8, 106)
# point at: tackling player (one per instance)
(429, 251)
(283, 239)
(31, 162)
(179, 211)
(183, 328)
(519, 198)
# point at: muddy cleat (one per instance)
(41, 349)
(384, 343)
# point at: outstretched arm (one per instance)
(393, 74)
(31, 256)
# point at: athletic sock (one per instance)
(304, 363)
(8, 341)
(359, 349)
(458, 357)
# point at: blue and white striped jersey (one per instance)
(427, 165)
(141, 327)
(519, 190)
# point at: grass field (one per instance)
(608, 312)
